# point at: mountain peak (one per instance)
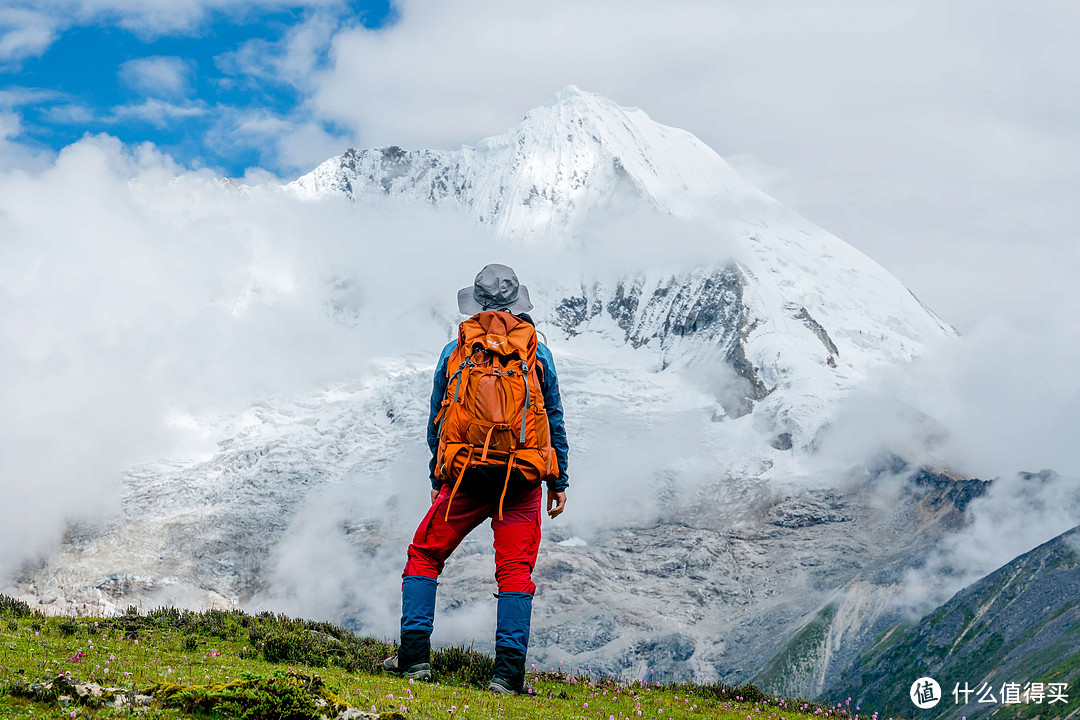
(574, 118)
(535, 181)
(574, 106)
(575, 98)
(569, 93)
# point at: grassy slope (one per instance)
(193, 657)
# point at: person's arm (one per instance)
(549, 384)
(438, 392)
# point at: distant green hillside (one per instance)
(1020, 624)
(172, 664)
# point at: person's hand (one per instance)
(435, 494)
(558, 499)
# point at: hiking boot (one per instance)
(502, 686)
(419, 671)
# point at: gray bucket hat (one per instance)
(496, 288)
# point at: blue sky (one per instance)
(176, 87)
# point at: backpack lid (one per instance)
(499, 332)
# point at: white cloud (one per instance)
(133, 292)
(14, 96)
(70, 114)
(14, 153)
(159, 112)
(286, 144)
(25, 33)
(296, 141)
(158, 76)
(291, 60)
(1017, 514)
(164, 17)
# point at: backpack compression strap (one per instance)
(461, 474)
(506, 483)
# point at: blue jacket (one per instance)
(549, 384)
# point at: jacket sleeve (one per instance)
(549, 384)
(438, 391)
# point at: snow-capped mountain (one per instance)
(798, 314)
(704, 337)
(537, 181)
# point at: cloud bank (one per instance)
(134, 293)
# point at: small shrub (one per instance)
(282, 696)
(216, 623)
(256, 634)
(16, 608)
(747, 692)
(284, 640)
(304, 647)
(371, 652)
(751, 692)
(67, 627)
(191, 642)
(456, 665)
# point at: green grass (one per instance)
(217, 664)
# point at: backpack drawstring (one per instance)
(461, 474)
(506, 483)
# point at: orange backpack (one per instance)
(493, 411)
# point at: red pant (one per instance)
(517, 535)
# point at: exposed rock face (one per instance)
(679, 318)
(707, 305)
(809, 510)
(1019, 624)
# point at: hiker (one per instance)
(496, 434)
